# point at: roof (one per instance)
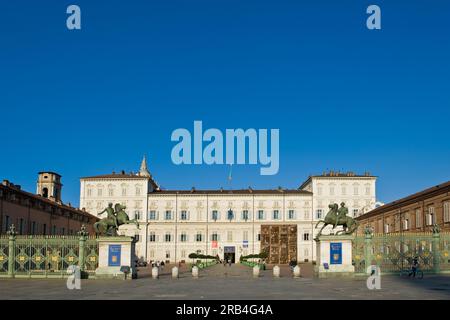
(115, 176)
(14, 188)
(419, 196)
(240, 191)
(337, 174)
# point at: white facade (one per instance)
(174, 224)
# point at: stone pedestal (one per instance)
(116, 254)
(334, 256)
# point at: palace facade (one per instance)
(228, 223)
(42, 213)
(418, 212)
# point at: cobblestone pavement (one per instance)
(226, 283)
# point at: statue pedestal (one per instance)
(334, 256)
(116, 255)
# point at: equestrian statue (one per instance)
(115, 218)
(338, 217)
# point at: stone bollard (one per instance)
(297, 272)
(155, 273)
(175, 273)
(195, 272)
(256, 271)
(276, 271)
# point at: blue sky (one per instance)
(345, 98)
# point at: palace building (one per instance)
(228, 223)
(43, 213)
(419, 212)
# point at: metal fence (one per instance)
(46, 256)
(395, 252)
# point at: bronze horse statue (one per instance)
(338, 217)
(116, 217)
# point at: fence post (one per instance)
(368, 256)
(82, 242)
(436, 249)
(11, 250)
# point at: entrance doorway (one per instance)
(229, 254)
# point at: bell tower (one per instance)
(49, 185)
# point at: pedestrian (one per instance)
(229, 262)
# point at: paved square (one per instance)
(226, 283)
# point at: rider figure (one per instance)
(342, 213)
(111, 214)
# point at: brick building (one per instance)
(42, 213)
(415, 213)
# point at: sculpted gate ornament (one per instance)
(338, 217)
(115, 218)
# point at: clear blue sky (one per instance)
(91, 101)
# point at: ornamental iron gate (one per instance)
(394, 253)
(46, 256)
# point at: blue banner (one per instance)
(114, 253)
(336, 253)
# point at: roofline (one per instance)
(309, 179)
(415, 197)
(228, 192)
(48, 201)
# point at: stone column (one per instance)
(436, 249)
(368, 256)
(81, 254)
(11, 250)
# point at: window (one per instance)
(230, 215)
(54, 230)
(184, 215)
(21, 226)
(230, 236)
(306, 236)
(137, 215)
(152, 237)
(168, 215)
(260, 214)
(245, 215)
(258, 237)
(167, 254)
(215, 215)
(152, 253)
(44, 229)
(355, 190)
(245, 236)
(152, 215)
(168, 237)
(355, 212)
(406, 224)
(89, 192)
(199, 237)
(110, 192)
(446, 208)
(124, 192)
(276, 215)
(291, 214)
(430, 216)
(319, 190)
(367, 190)
(138, 191)
(99, 192)
(332, 190)
(183, 253)
(418, 218)
(215, 237)
(183, 237)
(386, 228)
(33, 227)
(319, 214)
(344, 189)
